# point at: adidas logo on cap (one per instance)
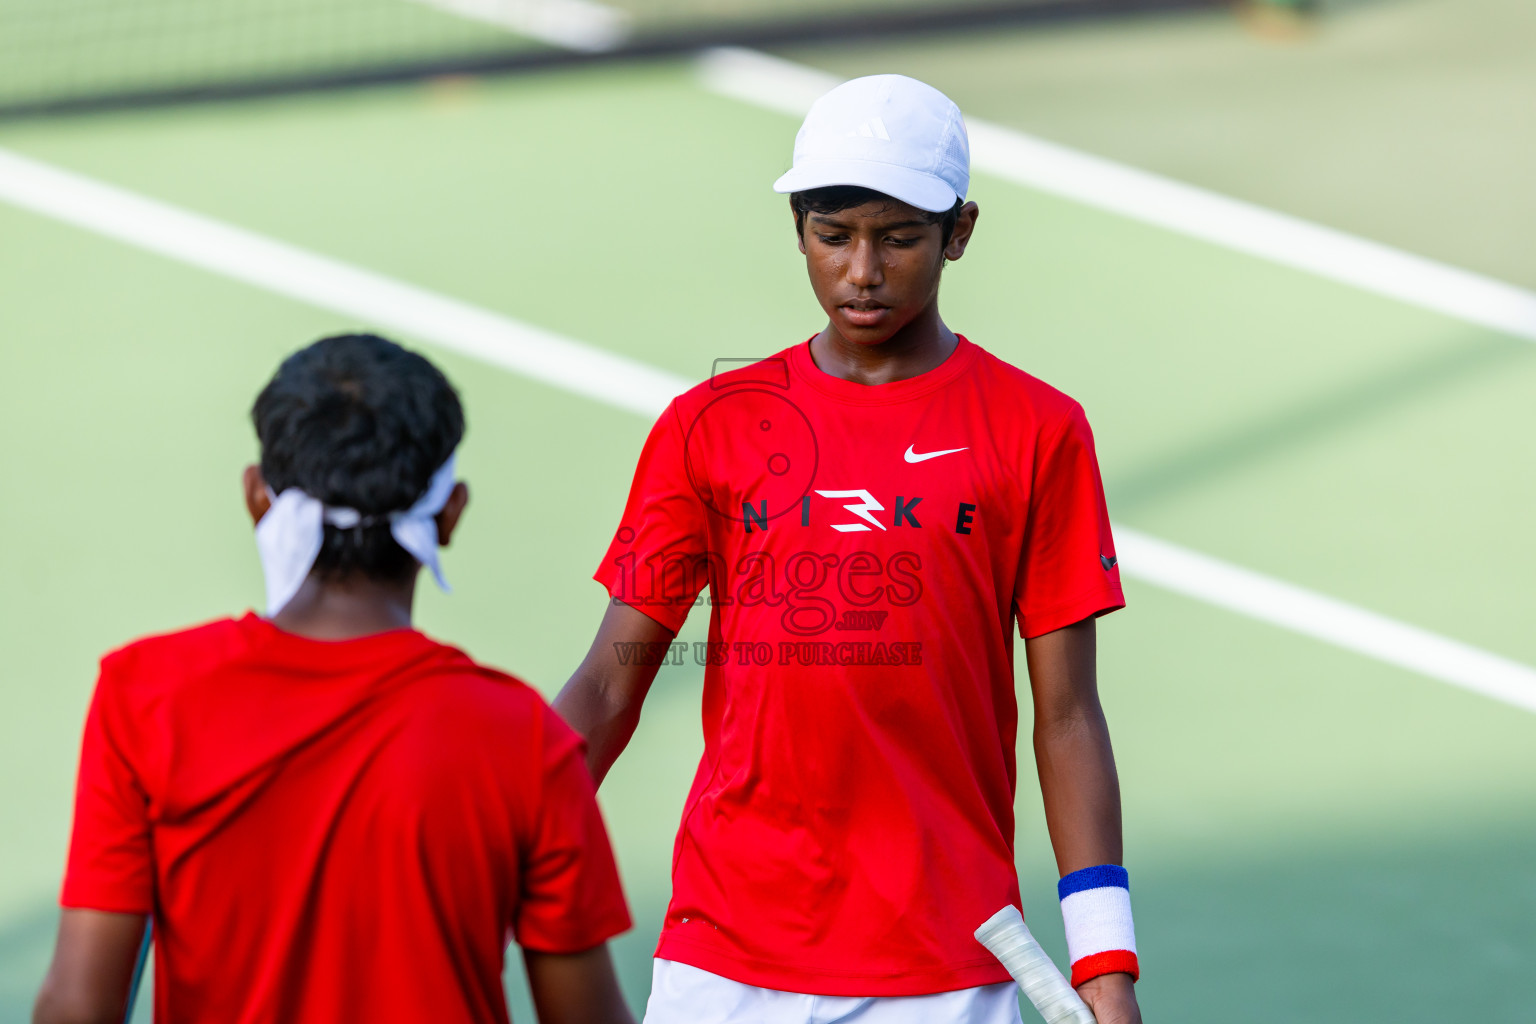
(871, 129)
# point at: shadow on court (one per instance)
(1322, 414)
(1425, 927)
(1321, 935)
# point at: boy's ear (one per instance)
(965, 226)
(799, 233)
(448, 518)
(255, 487)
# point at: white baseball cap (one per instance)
(889, 133)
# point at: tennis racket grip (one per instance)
(1007, 937)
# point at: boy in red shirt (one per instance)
(330, 816)
(873, 511)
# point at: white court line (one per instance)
(790, 88)
(1324, 618)
(352, 292)
(575, 24)
(626, 384)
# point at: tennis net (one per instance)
(65, 55)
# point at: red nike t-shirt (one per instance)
(867, 550)
(334, 831)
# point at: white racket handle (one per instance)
(1007, 937)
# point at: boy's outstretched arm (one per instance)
(1077, 779)
(92, 968)
(576, 988)
(602, 699)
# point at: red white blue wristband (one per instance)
(1096, 908)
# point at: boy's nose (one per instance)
(865, 269)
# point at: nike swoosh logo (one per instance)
(912, 456)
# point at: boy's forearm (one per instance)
(606, 721)
(603, 697)
(1080, 790)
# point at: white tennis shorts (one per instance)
(681, 994)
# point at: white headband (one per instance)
(289, 536)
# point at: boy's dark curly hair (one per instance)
(358, 422)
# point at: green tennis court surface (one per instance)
(1313, 835)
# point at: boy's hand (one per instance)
(1112, 998)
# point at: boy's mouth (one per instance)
(865, 312)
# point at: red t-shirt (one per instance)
(334, 831)
(867, 550)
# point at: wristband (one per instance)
(1096, 909)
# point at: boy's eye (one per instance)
(832, 239)
(900, 242)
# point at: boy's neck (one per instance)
(347, 609)
(920, 346)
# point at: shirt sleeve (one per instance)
(571, 899)
(658, 561)
(110, 864)
(1068, 570)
